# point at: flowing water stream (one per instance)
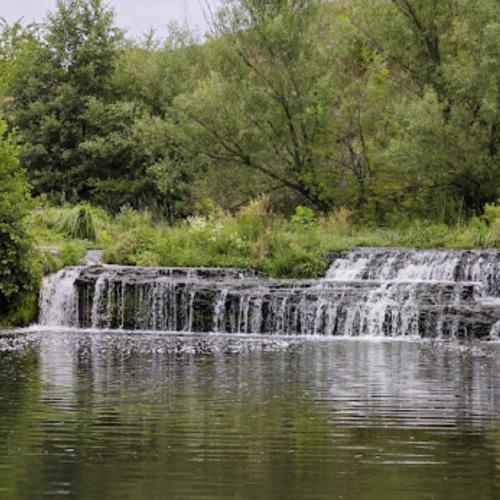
(368, 292)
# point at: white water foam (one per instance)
(368, 292)
(58, 301)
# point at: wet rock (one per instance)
(369, 292)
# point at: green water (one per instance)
(141, 416)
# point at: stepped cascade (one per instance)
(366, 292)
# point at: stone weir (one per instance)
(367, 292)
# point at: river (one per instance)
(131, 415)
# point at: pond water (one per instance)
(103, 415)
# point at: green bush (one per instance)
(18, 277)
(49, 263)
(252, 219)
(303, 216)
(72, 253)
(293, 262)
(492, 217)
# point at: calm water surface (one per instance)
(150, 416)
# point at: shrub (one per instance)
(253, 218)
(253, 237)
(148, 259)
(492, 216)
(49, 262)
(18, 279)
(72, 253)
(294, 262)
(338, 222)
(422, 234)
(303, 216)
(130, 219)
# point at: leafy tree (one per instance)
(150, 74)
(131, 160)
(155, 71)
(90, 111)
(389, 108)
(445, 129)
(13, 38)
(266, 106)
(51, 85)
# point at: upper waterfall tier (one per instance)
(406, 264)
(369, 292)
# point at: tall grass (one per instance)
(253, 237)
(78, 223)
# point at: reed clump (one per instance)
(78, 223)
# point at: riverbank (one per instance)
(254, 237)
(295, 247)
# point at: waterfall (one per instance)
(367, 292)
(402, 271)
(480, 266)
(58, 301)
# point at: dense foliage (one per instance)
(253, 237)
(295, 128)
(17, 279)
(389, 108)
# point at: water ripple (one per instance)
(122, 415)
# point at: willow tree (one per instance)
(266, 106)
(445, 57)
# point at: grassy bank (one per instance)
(280, 247)
(254, 237)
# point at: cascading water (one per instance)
(58, 301)
(407, 269)
(405, 264)
(369, 292)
